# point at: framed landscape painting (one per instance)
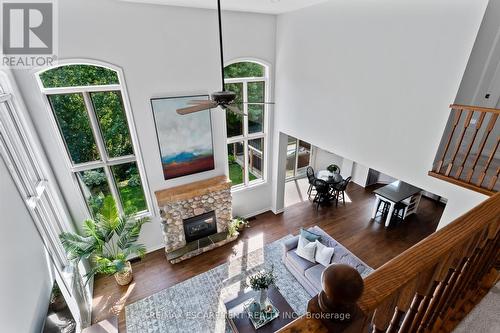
(185, 141)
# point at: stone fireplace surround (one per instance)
(182, 202)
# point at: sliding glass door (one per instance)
(298, 158)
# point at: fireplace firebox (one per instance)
(200, 226)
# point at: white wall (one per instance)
(323, 158)
(163, 51)
(483, 62)
(25, 282)
(360, 174)
(383, 73)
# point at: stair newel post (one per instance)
(336, 305)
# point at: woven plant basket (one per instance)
(124, 277)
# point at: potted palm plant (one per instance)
(107, 240)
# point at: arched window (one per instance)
(246, 135)
(90, 112)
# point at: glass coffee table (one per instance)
(238, 318)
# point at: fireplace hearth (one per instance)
(200, 226)
(185, 208)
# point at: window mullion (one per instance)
(102, 149)
(85, 89)
(245, 132)
(113, 188)
(245, 159)
(245, 109)
(296, 158)
(95, 127)
(88, 166)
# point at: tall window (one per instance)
(88, 107)
(246, 135)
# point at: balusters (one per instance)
(405, 298)
(489, 128)
(493, 180)
(479, 123)
(383, 314)
(423, 281)
(456, 119)
(462, 158)
(487, 165)
(427, 293)
(459, 141)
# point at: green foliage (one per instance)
(78, 75)
(108, 240)
(134, 180)
(234, 123)
(113, 123)
(263, 280)
(94, 178)
(244, 69)
(333, 168)
(256, 92)
(74, 124)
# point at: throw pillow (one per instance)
(306, 249)
(323, 254)
(310, 236)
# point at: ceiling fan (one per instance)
(225, 99)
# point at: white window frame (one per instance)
(245, 137)
(105, 162)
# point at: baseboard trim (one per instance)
(261, 211)
(278, 211)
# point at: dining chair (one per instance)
(322, 192)
(340, 190)
(310, 178)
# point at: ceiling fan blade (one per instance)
(200, 101)
(196, 108)
(257, 103)
(235, 110)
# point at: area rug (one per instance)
(197, 305)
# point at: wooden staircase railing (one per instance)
(431, 286)
(468, 154)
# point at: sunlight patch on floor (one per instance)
(347, 199)
(296, 191)
(237, 262)
(120, 304)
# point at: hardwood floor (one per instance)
(349, 224)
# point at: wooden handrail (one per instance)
(387, 279)
(474, 108)
(429, 287)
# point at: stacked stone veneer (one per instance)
(182, 202)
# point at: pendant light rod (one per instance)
(220, 44)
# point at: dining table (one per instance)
(394, 193)
(331, 179)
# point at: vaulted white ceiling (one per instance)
(257, 6)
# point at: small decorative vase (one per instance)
(125, 277)
(263, 298)
(255, 309)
